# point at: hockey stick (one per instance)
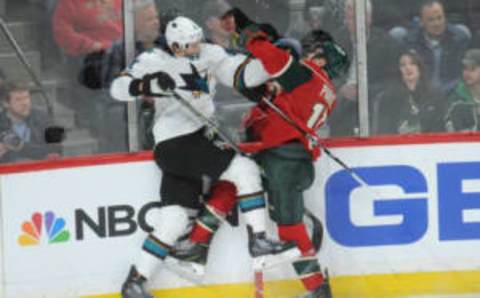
(259, 283)
(314, 141)
(209, 122)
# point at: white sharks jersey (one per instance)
(195, 79)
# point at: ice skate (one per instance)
(323, 291)
(189, 259)
(268, 253)
(134, 285)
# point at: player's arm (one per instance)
(279, 64)
(140, 79)
(230, 69)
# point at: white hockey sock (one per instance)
(153, 252)
(253, 209)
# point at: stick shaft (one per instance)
(208, 122)
(309, 136)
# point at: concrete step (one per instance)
(56, 90)
(14, 69)
(26, 34)
(79, 142)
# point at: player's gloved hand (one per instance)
(248, 30)
(159, 83)
(240, 18)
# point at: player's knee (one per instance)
(170, 224)
(244, 173)
(223, 197)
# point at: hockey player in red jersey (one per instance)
(302, 90)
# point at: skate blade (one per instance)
(270, 261)
(190, 271)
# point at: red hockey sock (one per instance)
(297, 233)
(307, 268)
(221, 201)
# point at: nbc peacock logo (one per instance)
(48, 224)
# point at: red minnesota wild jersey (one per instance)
(307, 97)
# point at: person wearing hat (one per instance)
(216, 22)
(465, 98)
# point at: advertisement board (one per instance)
(420, 211)
(74, 231)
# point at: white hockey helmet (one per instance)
(183, 31)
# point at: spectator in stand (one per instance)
(219, 27)
(465, 98)
(440, 44)
(23, 129)
(147, 36)
(410, 104)
(84, 30)
(382, 53)
(88, 26)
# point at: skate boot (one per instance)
(268, 252)
(323, 291)
(134, 286)
(190, 258)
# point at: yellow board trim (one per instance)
(368, 286)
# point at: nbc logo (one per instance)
(48, 224)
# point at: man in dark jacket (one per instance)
(23, 129)
(440, 44)
(382, 54)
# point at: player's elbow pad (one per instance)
(120, 89)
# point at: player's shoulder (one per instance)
(212, 52)
(155, 54)
(211, 48)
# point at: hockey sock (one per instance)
(153, 250)
(222, 200)
(253, 209)
(307, 268)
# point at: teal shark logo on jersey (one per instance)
(194, 82)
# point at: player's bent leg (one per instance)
(307, 268)
(245, 174)
(170, 224)
(194, 250)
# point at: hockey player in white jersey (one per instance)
(187, 154)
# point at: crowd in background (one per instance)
(423, 64)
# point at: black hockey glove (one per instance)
(241, 19)
(152, 84)
(248, 29)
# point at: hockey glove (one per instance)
(241, 19)
(248, 29)
(155, 84)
